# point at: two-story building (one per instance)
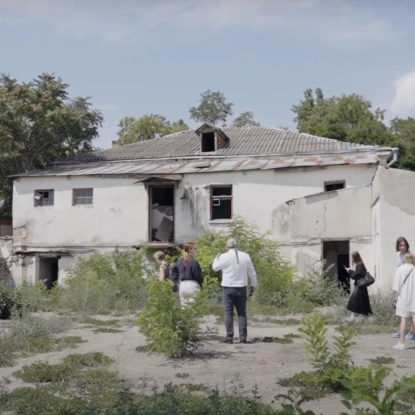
(312, 194)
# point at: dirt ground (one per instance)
(221, 365)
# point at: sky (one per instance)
(139, 57)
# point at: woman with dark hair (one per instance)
(187, 273)
(359, 300)
(402, 248)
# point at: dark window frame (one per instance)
(203, 139)
(334, 182)
(39, 203)
(219, 198)
(75, 197)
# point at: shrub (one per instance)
(43, 373)
(9, 301)
(274, 273)
(106, 281)
(169, 328)
(330, 367)
(317, 289)
(92, 359)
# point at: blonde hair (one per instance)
(159, 256)
(409, 258)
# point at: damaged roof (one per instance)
(243, 141)
(173, 170)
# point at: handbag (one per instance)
(366, 281)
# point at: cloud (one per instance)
(332, 21)
(403, 103)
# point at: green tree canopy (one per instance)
(132, 130)
(351, 118)
(212, 108)
(39, 124)
(245, 119)
(344, 118)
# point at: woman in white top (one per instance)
(404, 287)
(402, 248)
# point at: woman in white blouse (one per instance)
(404, 287)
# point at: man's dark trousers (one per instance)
(235, 297)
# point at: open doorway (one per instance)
(336, 255)
(49, 271)
(161, 215)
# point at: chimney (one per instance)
(115, 144)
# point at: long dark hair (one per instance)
(356, 257)
(187, 248)
(401, 240)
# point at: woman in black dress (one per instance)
(359, 300)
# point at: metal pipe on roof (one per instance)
(395, 153)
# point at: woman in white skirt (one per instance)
(188, 274)
(404, 287)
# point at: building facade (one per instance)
(315, 196)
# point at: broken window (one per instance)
(221, 202)
(208, 142)
(83, 196)
(161, 213)
(44, 197)
(330, 186)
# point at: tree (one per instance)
(403, 135)
(351, 118)
(345, 118)
(39, 124)
(147, 127)
(212, 108)
(245, 119)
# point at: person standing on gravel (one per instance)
(237, 268)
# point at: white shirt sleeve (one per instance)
(218, 263)
(396, 284)
(251, 272)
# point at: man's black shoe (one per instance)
(228, 340)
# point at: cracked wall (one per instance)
(338, 215)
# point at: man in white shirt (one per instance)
(236, 267)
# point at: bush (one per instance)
(169, 328)
(317, 289)
(275, 274)
(9, 301)
(106, 282)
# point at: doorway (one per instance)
(49, 271)
(161, 213)
(336, 256)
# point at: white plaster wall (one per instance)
(258, 196)
(342, 215)
(395, 207)
(117, 217)
(119, 214)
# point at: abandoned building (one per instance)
(319, 198)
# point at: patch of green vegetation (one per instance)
(44, 372)
(107, 330)
(102, 323)
(143, 349)
(182, 375)
(196, 387)
(273, 340)
(7, 359)
(92, 359)
(382, 360)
